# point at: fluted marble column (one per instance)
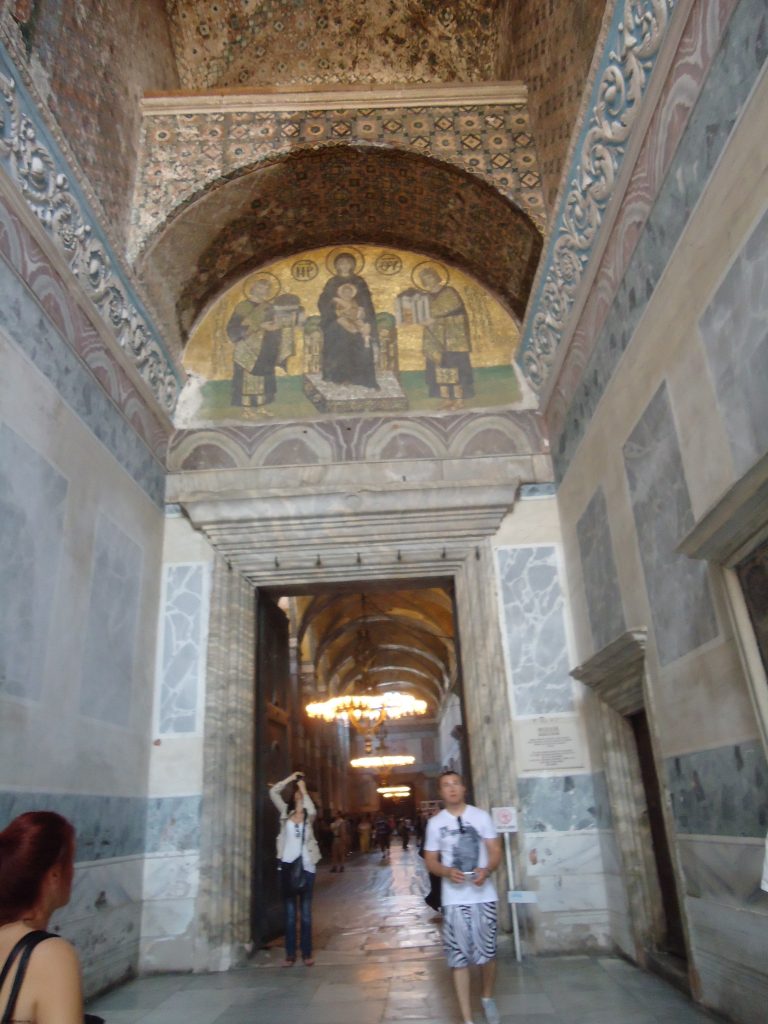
(227, 813)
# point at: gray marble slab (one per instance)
(564, 803)
(678, 587)
(116, 826)
(107, 680)
(534, 629)
(601, 584)
(735, 332)
(721, 792)
(32, 502)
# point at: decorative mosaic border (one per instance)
(34, 162)
(185, 152)
(632, 46)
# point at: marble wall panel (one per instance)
(564, 803)
(533, 610)
(116, 826)
(726, 870)
(721, 792)
(725, 52)
(32, 503)
(606, 613)
(181, 659)
(735, 331)
(40, 338)
(110, 645)
(678, 587)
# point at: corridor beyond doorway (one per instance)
(378, 960)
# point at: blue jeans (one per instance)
(306, 920)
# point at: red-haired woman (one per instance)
(40, 979)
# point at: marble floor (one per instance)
(378, 960)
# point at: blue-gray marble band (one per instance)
(536, 491)
(721, 792)
(564, 803)
(734, 71)
(24, 320)
(116, 826)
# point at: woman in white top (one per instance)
(295, 839)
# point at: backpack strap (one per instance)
(21, 951)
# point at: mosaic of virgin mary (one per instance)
(348, 323)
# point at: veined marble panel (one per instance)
(735, 331)
(534, 629)
(564, 803)
(116, 826)
(32, 502)
(678, 587)
(725, 870)
(563, 853)
(181, 659)
(601, 583)
(721, 792)
(106, 691)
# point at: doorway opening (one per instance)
(318, 642)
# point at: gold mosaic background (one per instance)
(495, 334)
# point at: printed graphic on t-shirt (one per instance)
(465, 843)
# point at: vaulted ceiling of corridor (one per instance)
(341, 193)
(392, 640)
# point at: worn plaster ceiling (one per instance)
(318, 197)
(233, 43)
(391, 640)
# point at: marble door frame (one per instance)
(616, 674)
(448, 546)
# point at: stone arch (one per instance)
(312, 198)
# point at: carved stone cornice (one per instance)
(616, 672)
(31, 157)
(631, 49)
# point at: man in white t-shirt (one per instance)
(462, 847)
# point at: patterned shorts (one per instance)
(469, 934)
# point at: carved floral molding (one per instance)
(35, 165)
(631, 50)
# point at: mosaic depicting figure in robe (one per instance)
(261, 329)
(446, 339)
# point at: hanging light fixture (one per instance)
(366, 712)
(394, 792)
(378, 761)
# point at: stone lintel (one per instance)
(616, 672)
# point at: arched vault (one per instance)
(319, 197)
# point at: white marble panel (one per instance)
(559, 893)
(573, 931)
(171, 876)
(552, 853)
(725, 869)
(168, 935)
(181, 656)
(534, 629)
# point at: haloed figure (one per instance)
(37, 853)
(298, 854)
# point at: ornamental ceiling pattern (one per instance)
(290, 42)
(315, 198)
(185, 153)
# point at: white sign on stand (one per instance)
(504, 818)
(505, 821)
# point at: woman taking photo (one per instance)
(296, 839)
(40, 973)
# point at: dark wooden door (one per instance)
(271, 762)
(673, 941)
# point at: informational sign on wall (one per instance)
(550, 743)
(504, 818)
